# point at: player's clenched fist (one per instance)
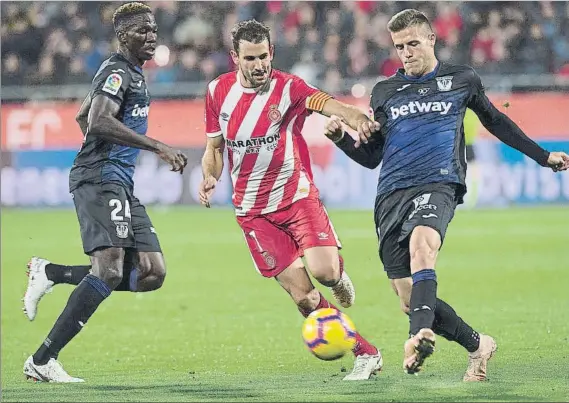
(334, 129)
(558, 161)
(206, 190)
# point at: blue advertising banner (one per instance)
(500, 176)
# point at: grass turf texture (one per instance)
(217, 331)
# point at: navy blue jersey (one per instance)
(421, 123)
(421, 140)
(100, 161)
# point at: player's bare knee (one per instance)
(423, 247)
(328, 279)
(424, 238)
(309, 301)
(423, 258)
(326, 271)
(107, 264)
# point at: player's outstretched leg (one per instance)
(344, 291)
(480, 347)
(296, 282)
(142, 272)
(38, 286)
(453, 328)
(423, 248)
(42, 276)
(327, 267)
(82, 304)
(478, 360)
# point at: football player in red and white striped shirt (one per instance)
(257, 114)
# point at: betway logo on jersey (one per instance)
(254, 144)
(137, 111)
(420, 107)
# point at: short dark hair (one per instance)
(251, 31)
(124, 13)
(407, 18)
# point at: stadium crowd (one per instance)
(324, 42)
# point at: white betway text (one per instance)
(420, 107)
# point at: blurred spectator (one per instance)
(450, 49)
(485, 44)
(306, 68)
(287, 51)
(332, 81)
(64, 42)
(534, 54)
(12, 70)
(194, 29)
(91, 56)
(331, 54)
(447, 21)
(390, 66)
(359, 61)
(189, 69)
(209, 69)
(45, 74)
(77, 73)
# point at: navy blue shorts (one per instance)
(111, 216)
(397, 214)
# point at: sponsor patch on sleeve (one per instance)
(113, 84)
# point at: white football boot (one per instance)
(38, 286)
(344, 292)
(365, 366)
(51, 372)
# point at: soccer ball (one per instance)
(329, 333)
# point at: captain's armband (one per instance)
(316, 101)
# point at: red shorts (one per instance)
(277, 239)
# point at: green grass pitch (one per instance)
(217, 331)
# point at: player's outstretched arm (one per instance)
(212, 167)
(102, 122)
(509, 133)
(367, 155)
(349, 114)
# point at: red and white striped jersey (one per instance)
(268, 158)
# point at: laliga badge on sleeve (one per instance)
(113, 84)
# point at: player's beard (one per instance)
(261, 86)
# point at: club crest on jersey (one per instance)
(444, 83)
(274, 113)
(113, 84)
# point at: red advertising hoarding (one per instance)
(37, 126)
